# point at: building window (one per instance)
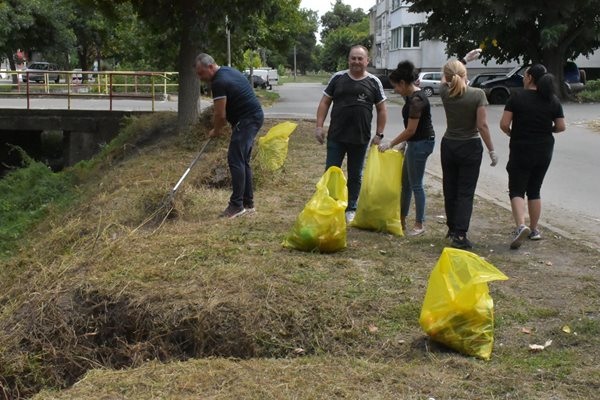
(406, 37)
(378, 26)
(396, 4)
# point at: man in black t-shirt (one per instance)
(234, 102)
(353, 93)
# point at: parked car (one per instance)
(39, 70)
(429, 82)
(499, 90)
(488, 76)
(258, 81)
(385, 81)
(77, 77)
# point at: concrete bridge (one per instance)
(83, 131)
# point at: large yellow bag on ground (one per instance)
(458, 310)
(321, 226)
(273, 147)
(379, 198)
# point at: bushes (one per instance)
(591, 92)
(25, 196)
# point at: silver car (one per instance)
(38, 71)
(429, 82)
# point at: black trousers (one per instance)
(461, 160)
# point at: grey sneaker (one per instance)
(520, 235)
(535, 235)
(233, 212)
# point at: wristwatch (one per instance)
(379, 135)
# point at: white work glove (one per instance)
(402, 147)
(320, 135)
(383, 147)
(472, 55)
(494, 158)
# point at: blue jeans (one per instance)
(238, 158)
(413, 171)
(336, 151)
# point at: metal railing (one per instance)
(90, 84)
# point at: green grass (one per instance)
(308, 78)
(266, 97)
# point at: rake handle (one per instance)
(187, 171)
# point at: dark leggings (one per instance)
(527, 166)
(461, 160)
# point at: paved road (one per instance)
(571, 190)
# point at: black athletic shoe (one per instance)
(461, 242)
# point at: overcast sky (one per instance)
(322, 6)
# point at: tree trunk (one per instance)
(554, 60)
(189, 86)
(82, 56)
(13, 67)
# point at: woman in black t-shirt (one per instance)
(419, 138)
(530, 118)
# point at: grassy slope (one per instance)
(93, 292)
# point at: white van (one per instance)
(272, 76)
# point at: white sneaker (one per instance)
(416, 232)
(520, 235)
(350, 216)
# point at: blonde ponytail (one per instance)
(454, 73)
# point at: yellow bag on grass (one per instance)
(321, 226)
(273, 147)
(458, 310)
(379, 198)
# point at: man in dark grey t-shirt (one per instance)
(353, 93)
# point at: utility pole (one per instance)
(228, 41)
(295, 73)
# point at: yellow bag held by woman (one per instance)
(379, 198)
(458, 310)
(273, 147)
(321, 226)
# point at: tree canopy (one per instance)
(550, 32)
(342, 15)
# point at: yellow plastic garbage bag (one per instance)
(273, 147)
(379, 198)
(321, 226)
(458, 310)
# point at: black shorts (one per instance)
(527, 166)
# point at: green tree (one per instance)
(199, 25)
(33, 25)
(341, 15)
(305, 42)
(549, 32)
(337, 44)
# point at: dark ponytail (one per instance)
(405, 71)
(543, 80)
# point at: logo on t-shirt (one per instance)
(362, 98)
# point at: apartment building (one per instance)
(396, 38)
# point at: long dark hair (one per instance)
(405, 71)
(543, 80)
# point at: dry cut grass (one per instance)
(204, 307)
